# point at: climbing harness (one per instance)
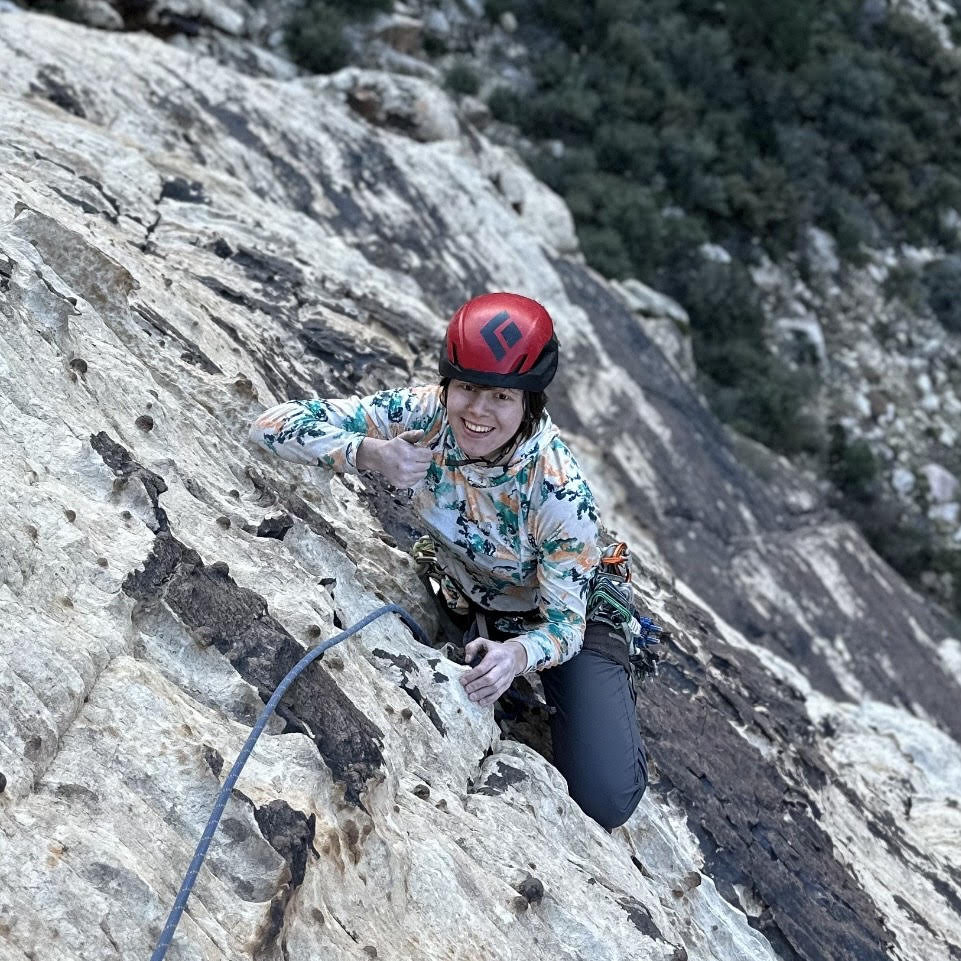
(610, 601)
(166, 936)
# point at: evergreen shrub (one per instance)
(462, 79)
(315, 37)
(942, 281)
(315, 32)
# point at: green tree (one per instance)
(942, 281)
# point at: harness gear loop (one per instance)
(610, 600)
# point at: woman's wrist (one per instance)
(367, 452)
(520, 656)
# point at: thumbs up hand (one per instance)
(400, 460)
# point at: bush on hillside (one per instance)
(315, 32)
(942, 282)
(852, 467)
(315, 38)
(462, 79)
(741, 124)
(904, 282)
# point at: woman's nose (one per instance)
(480, 403)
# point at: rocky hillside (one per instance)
(182, 244)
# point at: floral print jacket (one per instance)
(516, 538)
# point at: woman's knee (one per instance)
(611, 804)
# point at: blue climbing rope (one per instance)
(166, 936)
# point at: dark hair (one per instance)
(535, 402)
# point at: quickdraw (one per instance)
(610, 600)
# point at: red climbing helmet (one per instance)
(501, 340)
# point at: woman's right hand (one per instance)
(400, 461)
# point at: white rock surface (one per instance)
(542, 212)
(942, 484)
(181, 245)
(407, 103)
(665, 321)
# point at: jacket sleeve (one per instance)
(565, 530)
(328, 433)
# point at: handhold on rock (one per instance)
(519, 904)
(531, 889)
(144, 422)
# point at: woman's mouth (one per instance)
(477, 428)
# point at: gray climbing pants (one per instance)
(595, 737)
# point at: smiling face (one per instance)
(483, 418)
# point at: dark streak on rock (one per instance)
(755, 828)
(220, 247)
(953, 951)
(244, 300)
(407, 666)
(275, 527)
(275, 274)
(886, 829)
(213, 759)
(236, 621)
(290, 833)
(209, 604)
(641, 918)
(185, 191)
(412, 246)
(54, 88)
(192, 353)
(270, 930)
(118, 459)
(114, 215)
(497, 783)
(78, 793)
(85, 206)
(299, 191)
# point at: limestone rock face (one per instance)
(182, 244)
(665, 321)
(409, 105)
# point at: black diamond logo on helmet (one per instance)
(499, 331)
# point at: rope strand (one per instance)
(166, 936)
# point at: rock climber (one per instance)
(514, 529)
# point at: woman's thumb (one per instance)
(475, 650)
(411, 436)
